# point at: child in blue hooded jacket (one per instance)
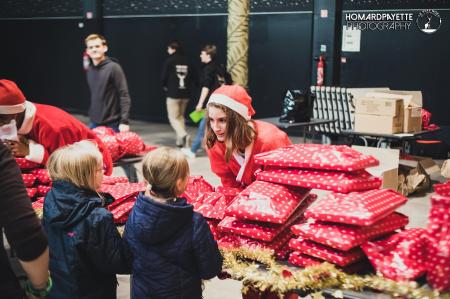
(172, 246)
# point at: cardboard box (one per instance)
(415, 174)
(361, 92)
(378, 106)
(412, 103)
(387, 170)
(379, 115)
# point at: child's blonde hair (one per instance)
(76, 163)
(162, 168)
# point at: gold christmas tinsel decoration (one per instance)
(237, 40)
(257, 268)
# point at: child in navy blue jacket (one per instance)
(86, 250)
(172, 246)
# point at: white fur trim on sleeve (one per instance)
(230, 103)
(37, 152)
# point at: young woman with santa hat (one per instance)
(233, 138)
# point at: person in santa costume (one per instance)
(34, 130)
(233, 138)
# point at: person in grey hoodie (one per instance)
(110, 100)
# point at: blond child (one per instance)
(172, 246)
(86, 250)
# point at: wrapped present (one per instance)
(357, 208)
(102, 131)
(39, 203)
(120, 212)
(212, 223)
(26, 164)
(442, 189)
(42, 190)
(235, 241)
(213, 205)
(343, 182)
(261, 230)
(112, 180)
(112, 145)
(42, 176)
(28, 179)
(267, 202)
(122, 191)
(31, 192)
(337, 257)
(344, 236)
(401, 256)
(438, 261)
(130, 143)
(317, 156)
(229, 192)
(282, 253)
(196, 186)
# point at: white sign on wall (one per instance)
(351, 40)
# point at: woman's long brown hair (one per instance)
(239, 134)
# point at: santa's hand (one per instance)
(19, 148)
(124, 128)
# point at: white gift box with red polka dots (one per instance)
(344, 236)
(438, 261)
(337, 257)
(267, 202)
(343, 182)
(236, 241)
(357, 208)
(401, 256)
(317, 156)
(42, 176)
(28, 179)
(196, 186)
(262, 230)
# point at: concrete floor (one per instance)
(417, 207)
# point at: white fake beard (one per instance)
(9, 131)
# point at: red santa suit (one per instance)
(48, 128)
(236, 172)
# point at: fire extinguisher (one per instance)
(320, 70)
(86, 61)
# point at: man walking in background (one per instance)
(110, 100)
(176, 79)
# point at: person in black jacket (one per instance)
(176, 79)
(172, 246)
(23, 231)
(86, 250)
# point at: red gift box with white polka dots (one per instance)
(26, 164)
(343, 182)
(344, 236)
(42, 176)
(357, 208)
(235, 241)
(282, 253)
(338, 257)
(212, 223)
(442, 189)
(438, 262)
(31, 192)
(28, 179)
(42, 190)
(401, 256)
(112, 145)
(195, 188)
(301, 260)
(122, 191)
(213, 205)
(121, 212)
(261, 230)
(130, 143)
(317, 156)
(267, 202)
(39, 203)
(112, 180)
(102, 130)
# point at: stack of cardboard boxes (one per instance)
(388, 112)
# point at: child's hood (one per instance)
(66, 205)
(155, 222)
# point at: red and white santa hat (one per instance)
(234, 97)
(12, 100)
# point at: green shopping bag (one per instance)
(197, 116)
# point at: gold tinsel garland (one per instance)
(258, 269)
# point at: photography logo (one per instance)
(428, 21)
